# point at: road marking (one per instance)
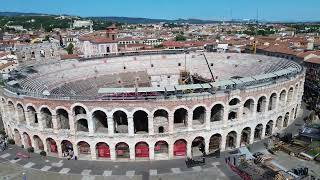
(86, 172)
(5, 155)
(88, 177)
(130, 173)
(45, 168)
(107, 173)
(15, 160)
(64, 170)
(197, 168)
(153, 172)
(29, 165)
(215, 164)
(58, 164)
(176, 170)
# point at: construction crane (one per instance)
(208, 67)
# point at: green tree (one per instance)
(70, 48)
(180, 37)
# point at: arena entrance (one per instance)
(140, 119)
(103, 150)
(122, 151)
(258, 132)
(215, 142)
(120, 122)
(198, 146)
(52, 146)
(245, 136)
(66, 147)
(38, 144)
(161, 150)
(142, 150)
(180, 118)
(84, 150)
(269, 128)
(180, 148)
(231, 140)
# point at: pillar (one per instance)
(75, 149)
(151, 151)
(189, 120)
(110, 125)
(171, 123)
(170, 150)
(240, 113)
(72, 124)
(207, 120)
(206, 146)
(223, 141)
(41, 120)
(113, 155)
(93, 151)
(59, 148)
(150, 125)
(238, 140)
(28, 118)
(91, 125)
(55, 123)
(132, 152)
(263, 132)
(130, 126)
(45, 145)
(189, 149)
(252, 135)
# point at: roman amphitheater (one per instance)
(151, 106)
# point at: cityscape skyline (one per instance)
(205, 9)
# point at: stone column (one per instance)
(206, 146)
(252, 136)
(238, 140)
(59, 148)
(75, 149)
(189, 120)
(207, 121)
(170, 150)
(266, 106)
(72, 124)
(41, 121)
(254, 112)
(240, 113)
(225, 116)
(150, 125)
(132, 152)
(189, 149)
(171, 123)
(223, 142)
(113, 155)
(110, 125)
(91, 125)
(93, 151)
(17, 117)
(151, 151)
(45, 145)
(130, 126)
(263, 132)
(28, 118)
(55, 123)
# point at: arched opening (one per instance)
(180, 148)
(84, 149)
(161, 150)
(245, 136)
(232, 115)
(27, 140)
(38, 143)
(17, 138)
(261, 106)
(120, 122)
(52, 146)
(272, 102)
(122, 150)
(199, 116)
(198, 146)
(82, 125)
(290, 95)
(78, 110)
(160, 120)
(286, 120)
(282, 98)
(279, 123)
(103, 150)
(269, 128)
(292, 115)
(215, 142)
(66, 147)
(296, 88)
(63, 119)
(231, 140)
(46, 117)
(248, 107)
(142, 150)
(100, 119)
(180, 118)
(258, 132)
(140, 119)
(21, 115)
(11, 109)
(32, 114)
(296, 112)
(234, 102)
(217, 112)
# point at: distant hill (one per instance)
(21, 14)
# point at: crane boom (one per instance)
(208, 67)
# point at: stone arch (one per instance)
(217, 112)
(286, 120)
(38, 143)
(17, 137)
(52, 146)
(234, 101)
(215, 142)
(79, 109)
(100, 119)
(231, 140)
(180, 148)
(258, 132)
(292, 115)
(232, 115)
(21, 113)
(142, 150)
(82, 125)
(296, 89)
(12, 110)
(161, 150)
(262, 104)
(198, 146)
(84, 149)
(290, 95)
(245, 136)
(26, 140)
(66, 146)
(161, 121)
(272, 102)
(120, 119)
(180, 118)
(63, 119)
(122, 150)
(248, 107)
(103, 150)
(279, 123)
(33, 116)
(199, 115)
(46, 116)
(140, 120)
(282, 97)
(269, 128)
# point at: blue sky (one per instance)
(297, 10)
